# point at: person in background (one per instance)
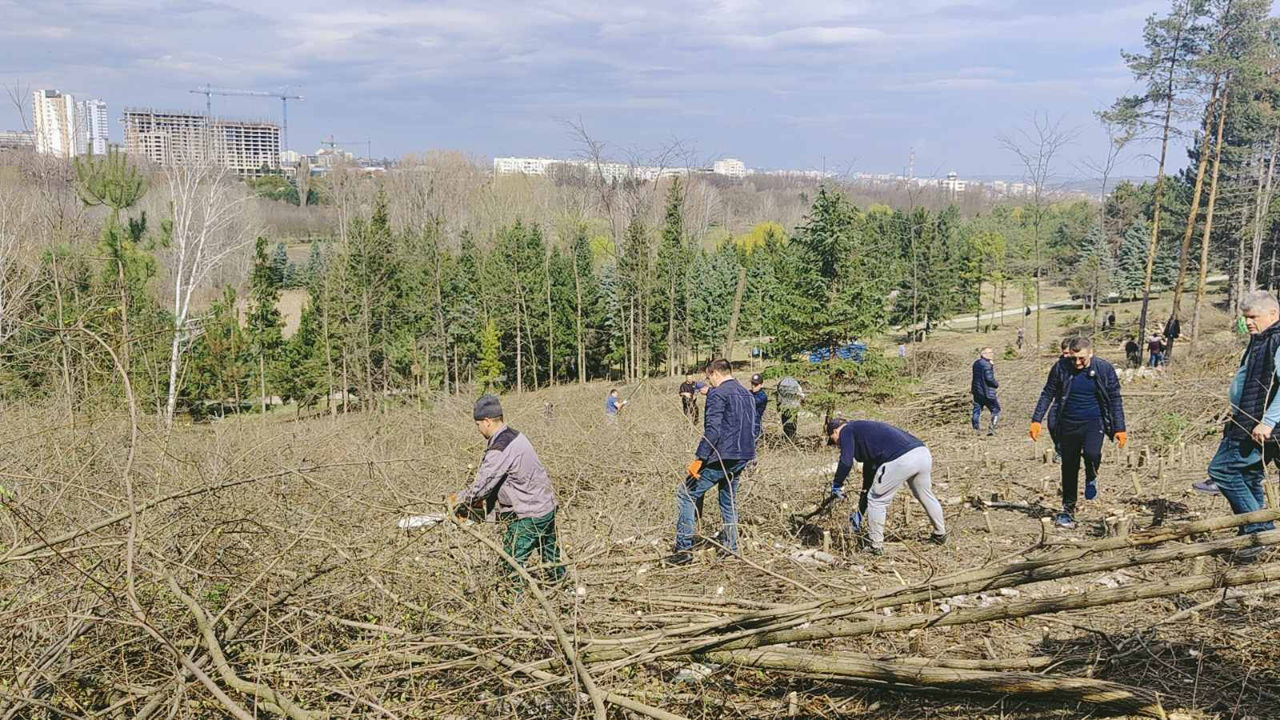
(727, 447)
(1172, 331)
(689, 398)
(890, 457)
(1090, 410)
(790, 397)
(1155, 349)
(1111, 319)
(1132, 353)
(1022, 338)
(983, 387)
(762, 402)
(902, 351)
(612, 405)
(1238, 468)
(514, 488)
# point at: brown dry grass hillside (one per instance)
(253, 567)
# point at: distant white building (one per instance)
(92, 134)
(953, 184)
(609, 171)
(730, 167)
(54, 120)
(17, 139)
(522, 165)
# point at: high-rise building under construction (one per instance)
(247, 148)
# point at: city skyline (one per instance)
(854, 88)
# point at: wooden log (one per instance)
(1026, 608)
(1108, 695)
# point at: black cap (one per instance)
(834, 423)
(488, 406)
(757, 379)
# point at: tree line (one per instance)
(438, 277)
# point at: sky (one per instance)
(849, 85)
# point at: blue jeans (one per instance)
(689, 496)
(989, 403)
(1238, 470)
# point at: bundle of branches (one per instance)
(934, 409)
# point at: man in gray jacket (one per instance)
(513, 487)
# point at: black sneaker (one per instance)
(678, 559)
(873, 550)
(937, 539)
(1065, 521)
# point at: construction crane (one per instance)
(208, 91)
(333, 145)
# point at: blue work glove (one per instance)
(855, 519)
(837, 493)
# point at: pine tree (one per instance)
(490, 367)
(300, 376)
(315, 264)
(1131, 262)
(265, 326)
(279, 264)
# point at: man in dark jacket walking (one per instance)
(727, 447)
(1089, 409)
(762, 402)
(983, 388)
(1238, 468)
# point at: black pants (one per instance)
(790, 416)
(1079, 441)
(690, 407)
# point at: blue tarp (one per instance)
(854, 351)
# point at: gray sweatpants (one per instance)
(915, 469)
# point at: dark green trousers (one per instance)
(525, 535)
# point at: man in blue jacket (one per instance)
(762, 402)
(1090, 409)
(890, 458)
(728, 445)
(983, 388)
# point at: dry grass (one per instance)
(287, 551)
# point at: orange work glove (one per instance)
(695, 468)
(1122, 438)
(1035, 431)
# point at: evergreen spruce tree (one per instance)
(264, 316)
(490, 367)
(300, 375)
(1131, 261)
(315, 264)
(279, 264)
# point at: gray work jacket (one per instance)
(511, 478)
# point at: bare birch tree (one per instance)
(1036, 148)
(207, 228)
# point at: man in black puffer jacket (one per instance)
(983, 388)
(1089, 409)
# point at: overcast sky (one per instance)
(778, 83)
